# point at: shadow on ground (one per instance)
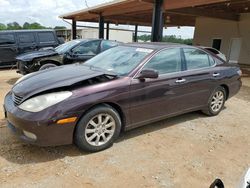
(15, 151)
(12, 81)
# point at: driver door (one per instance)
(85, 51)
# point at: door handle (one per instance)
(216, 74)
(180, 81)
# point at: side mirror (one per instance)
(148, 73)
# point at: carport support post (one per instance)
(157, 22)
(73, 30)
(101, 27)
(107, 31)
(136, 33)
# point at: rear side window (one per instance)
(7, 39)
(26, 37)
(196, 59)
(46, 37)
(167, 61)
(108, 44)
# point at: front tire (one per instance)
(98, 129)
(216, 102)
(47, 66)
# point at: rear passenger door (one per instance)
(8, 49)
(198, 79)
(27, 42)
(46, 39)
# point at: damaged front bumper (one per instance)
(37, 128)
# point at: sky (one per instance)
(46, 12)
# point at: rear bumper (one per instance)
(47, 132)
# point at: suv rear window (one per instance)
(7, 39)
(26, 37)
(46, 37)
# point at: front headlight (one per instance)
(42, 102)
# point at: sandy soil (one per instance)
(190, 150)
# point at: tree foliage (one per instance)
(2, 27)
(170, 38)
(26, 25)
(60, 27)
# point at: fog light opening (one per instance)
(29, 135)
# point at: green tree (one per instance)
(26, 25)
(60, 27)
(2, 26)
(170, 38)
(36, 25)
(13, 26)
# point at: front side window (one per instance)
(108, 44)
(196, 59)
(63, 48)
(7, 39)
(167, 61)
(88, 48)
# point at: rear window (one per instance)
(46, 37)
(7, 39)
(26, 37)
(212, 50)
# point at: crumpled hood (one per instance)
(53, 78)
(36, 54)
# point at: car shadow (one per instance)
(12, 81)
(18, 152)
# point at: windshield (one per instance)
(119, 60)
(66, 46)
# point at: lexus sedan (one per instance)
(122, 88)
(79, 50)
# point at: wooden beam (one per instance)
(128, 9)
(206, 13)
(177, 4)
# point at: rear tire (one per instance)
(98, 129)
(216, 102)
(47, 66)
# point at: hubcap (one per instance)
(217, 101)
(100, 129)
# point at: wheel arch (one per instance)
(113, 105)
(226, 89)
(43, 62)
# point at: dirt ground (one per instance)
(190, 150)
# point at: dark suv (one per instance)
(79, 50)
(13, 43)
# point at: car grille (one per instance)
(17, 99)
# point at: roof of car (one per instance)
(154, 45)
(27, 30)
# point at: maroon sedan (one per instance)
(125, 87)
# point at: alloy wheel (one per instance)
(217, 101)
(100, 129)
